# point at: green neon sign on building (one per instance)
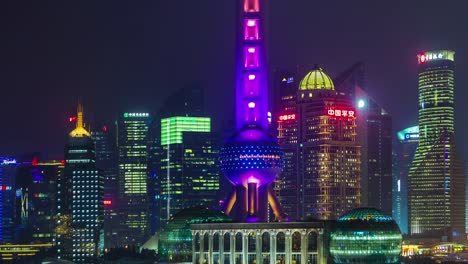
(172, 128)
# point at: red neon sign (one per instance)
(422, 58)
(107, 202)
(341, 113)
(5, 188)
(287, 117)
(72, 119)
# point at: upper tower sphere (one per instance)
(316, 80)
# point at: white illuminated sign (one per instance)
(429, 57)
(136, 114)
(8, 161)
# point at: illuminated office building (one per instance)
(374, 135)
(37, 200)
(436, 182)
(87, 190)
(8, 168)
(407, 143)
(321, 178)
(189, 171)
(285, 126)
(106, 161)
(133, 141)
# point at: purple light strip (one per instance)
(251, 71)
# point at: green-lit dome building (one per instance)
(365, 235)
(316, 79)
(175, 240)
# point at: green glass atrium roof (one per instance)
(365, 214)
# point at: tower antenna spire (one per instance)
(80, 130)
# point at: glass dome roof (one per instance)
(316, 80)
(365, 214)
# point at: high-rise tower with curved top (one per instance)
(436, 182)
(251, 159)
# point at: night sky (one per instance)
(130, 55)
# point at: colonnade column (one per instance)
(304, 246)
(288, 246)
(210, 248)
(194, 259)
(258, 247)
(272, 248)
(221, 247)
(202, 248)
(245, 247)
(320, 250)
(232, 237)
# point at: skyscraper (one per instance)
(374, 135)
(36, 200)
(436, 180)
(132, 129)
(189, 174)
(8, 167)
(317, 131)
(407, 143)
(87, 190)
(106, 161)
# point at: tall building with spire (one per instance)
(82, 189)
(436, 182)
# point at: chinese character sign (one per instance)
(287, 117)
(346, 113)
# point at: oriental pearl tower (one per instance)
(251, 159)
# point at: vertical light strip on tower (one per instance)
(251, 159)
(251, 71)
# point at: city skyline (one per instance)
(142, 82)
(324, 159)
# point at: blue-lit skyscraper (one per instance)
(8, 167)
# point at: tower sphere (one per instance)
(251, 156)
(316, 79)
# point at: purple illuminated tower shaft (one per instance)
(251, 66)
(251, 159)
